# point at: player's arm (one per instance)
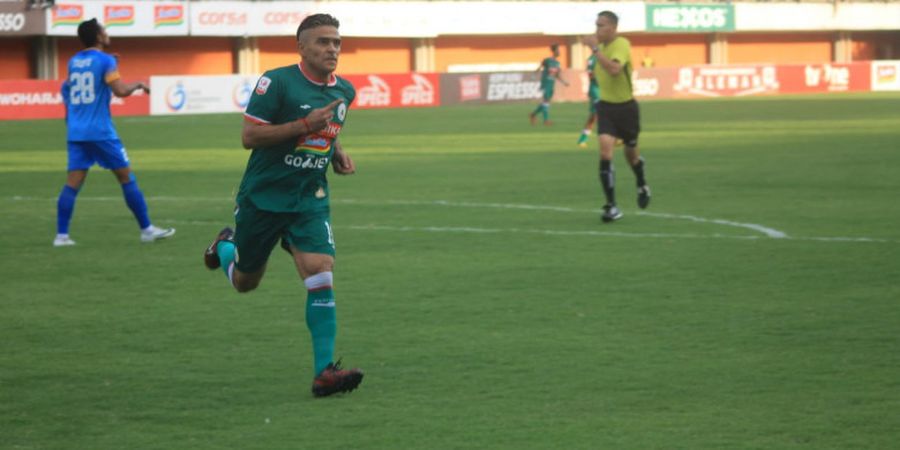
(257, 133)
(341, 161)
(122, 89)
(260, 134)
(560, 78)
(611, 66)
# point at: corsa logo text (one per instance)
(283, 18)
(222, 18)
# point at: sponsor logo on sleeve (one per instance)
(263, 85)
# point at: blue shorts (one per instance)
(108, 154)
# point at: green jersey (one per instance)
(290, 176)
(549, 69)
(615, 89)
(593, 87)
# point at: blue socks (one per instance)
(321, 318)
(134, 198)
(65, 206)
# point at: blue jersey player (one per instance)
(93, 77)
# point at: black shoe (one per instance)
(643, 196)
(334, 379)
(211, 255)
(611, 213)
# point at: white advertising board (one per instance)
(411, 18)
(768, 16)
(121, 18)
(248, 19)
(200, 94)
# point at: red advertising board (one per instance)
(41, 99)
(739, 81)
(810, 78)
(396, 90)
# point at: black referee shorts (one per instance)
(622, 120)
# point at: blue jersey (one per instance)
(87, 95)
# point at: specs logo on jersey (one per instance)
(342, 111)
(263, 85)
(305, 106)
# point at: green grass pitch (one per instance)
(754, 305)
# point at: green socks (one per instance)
(225, 250)
(321, 318)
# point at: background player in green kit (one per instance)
(593, 96)
(550, 72)
(618, 116)
(292, 124)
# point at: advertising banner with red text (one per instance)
(395, 90)
(41, 99)
(121, 18)
(241, 18)
(829, 77)
(739, 81)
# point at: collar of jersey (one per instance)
(332, 79)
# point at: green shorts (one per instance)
(257, 232)
(547, 89)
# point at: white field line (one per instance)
(765, 231)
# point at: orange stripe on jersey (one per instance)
(112, 76)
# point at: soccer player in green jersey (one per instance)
(550, 72)
(292, 124)
(593, 98)
(620, 118)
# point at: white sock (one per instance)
(586, 131)
(319, 280)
